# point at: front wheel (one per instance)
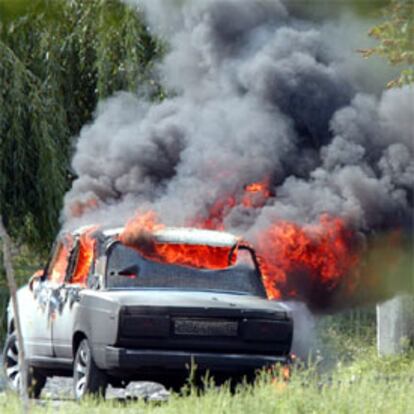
(35, 379)
(88, 379)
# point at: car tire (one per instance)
(88, 379)
(35, 379)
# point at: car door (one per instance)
(80, 265)
(36, 326)
(39, 302)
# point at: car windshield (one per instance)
(127, 268)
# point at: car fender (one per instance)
(97, 318)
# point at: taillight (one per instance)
(266, 330)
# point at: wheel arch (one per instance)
(78, 336)
(10, 328)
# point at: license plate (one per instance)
(203, 327)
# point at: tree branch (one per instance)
(11, 281)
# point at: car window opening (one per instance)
(129, 268)
(59, 264)
(84, 259)
(192, 255)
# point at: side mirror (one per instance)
(35, 278)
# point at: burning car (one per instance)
(110, 308)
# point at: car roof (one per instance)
(179, 235)
(187, 235)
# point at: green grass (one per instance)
(345, 376)
(367, 385)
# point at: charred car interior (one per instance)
(106, 311)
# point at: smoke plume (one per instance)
(256, 93)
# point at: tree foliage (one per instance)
(57, 59)
(335, 8)
(396, 40)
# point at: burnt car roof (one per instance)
(179, 235)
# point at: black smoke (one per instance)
(256, 92)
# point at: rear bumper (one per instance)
(133, 359)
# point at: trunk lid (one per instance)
(202, 321)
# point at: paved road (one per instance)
(59, 388)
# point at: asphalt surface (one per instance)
(61, 388)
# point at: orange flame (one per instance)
(60, 261)
(217, 212)
(79, 208)
(254, 196)
(301, 262)
(306, 262)
(85, 256)
(138, 233)
(204, 257)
